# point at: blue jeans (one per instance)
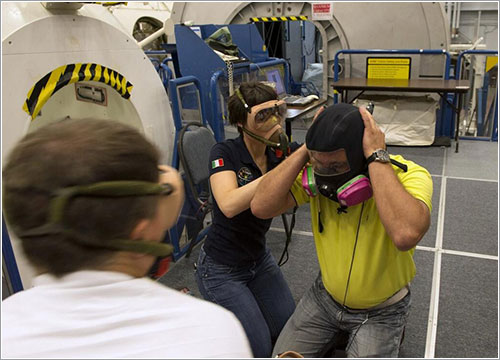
(318, 319)
(257, 294)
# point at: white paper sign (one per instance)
(322, 11)
(196, 30)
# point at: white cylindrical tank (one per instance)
(37, 41)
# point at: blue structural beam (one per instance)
(494, 137)
(10, 260)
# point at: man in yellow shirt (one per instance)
(369, 210)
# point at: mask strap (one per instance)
(261, 139)
(104, 189)
(140, 246)
(242, 99)
(62, 196)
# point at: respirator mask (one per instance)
(61, 198)
(264, 122)
(333, 179)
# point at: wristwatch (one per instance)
(379, 155)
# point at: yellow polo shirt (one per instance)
(379, 269)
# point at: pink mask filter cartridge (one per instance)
(354, 191)
(308, 182)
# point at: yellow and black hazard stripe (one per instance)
(278, 18)
(110, 3)
(71, 73)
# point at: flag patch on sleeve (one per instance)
(217, 163)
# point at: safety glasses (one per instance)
(330, 163)
(262, 112)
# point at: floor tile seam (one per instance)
(431, 337)
(470, 254)
(464, 178)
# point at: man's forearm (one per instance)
(405, 218)
(273, 191)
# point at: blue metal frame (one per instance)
(494, 135)
(440, 122)
(10, 260)
(163, 70)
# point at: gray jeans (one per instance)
(318, 319)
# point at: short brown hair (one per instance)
(254, 93)
(69, 153)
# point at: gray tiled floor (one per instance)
(471, 218)
(475, 159)
(468, 308)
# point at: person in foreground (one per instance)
(369, 210)
(91, 205)
(235, 269)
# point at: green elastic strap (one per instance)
(61, 198)
(242, 99)
(140, 246)
(261, 139)
(104, 189)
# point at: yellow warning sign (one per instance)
(388, 68)
(490, 62)
(71, 73)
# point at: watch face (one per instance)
(383, 156)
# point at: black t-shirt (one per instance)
(241, 239)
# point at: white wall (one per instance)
(486, 15)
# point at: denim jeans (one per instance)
(257, 294)
(318, 319)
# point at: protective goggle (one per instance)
(330, 163)
(262, 112)
(62, 197)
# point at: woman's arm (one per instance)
(273, 196)
(232, 199)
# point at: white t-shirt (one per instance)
(98, 314)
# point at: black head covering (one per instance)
(339, 126)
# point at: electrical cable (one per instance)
(288, 232)
(353, 253)
(349, 276)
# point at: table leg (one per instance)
(288, 129)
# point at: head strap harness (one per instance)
(242, 99)
(61, 198)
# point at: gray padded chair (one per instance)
(193, 146)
